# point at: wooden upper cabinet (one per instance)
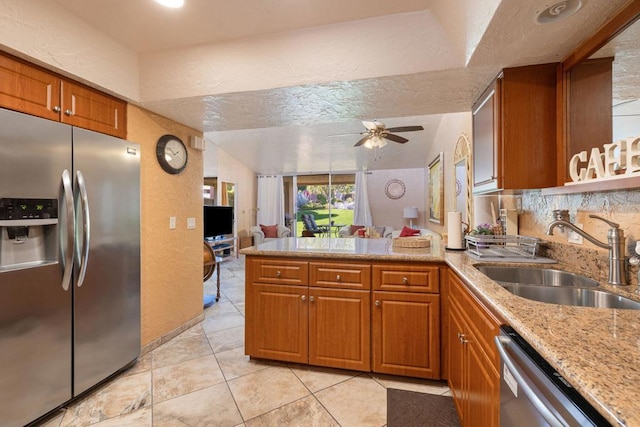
(89, 109)
(28, 89)
(589, 108)
(514, 131)
(32, 90)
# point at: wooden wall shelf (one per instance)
(623, 183)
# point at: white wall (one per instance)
(388, 212)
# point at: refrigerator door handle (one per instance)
(67, 255)
(83, 258)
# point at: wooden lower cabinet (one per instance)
(324, 313)
(473, 364)
(339, 325)
(406, 334)
(277, 325)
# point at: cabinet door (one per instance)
(277, 325)
(406, 334)
(92, 110)
(483, 387)
(339, 328)
(457, 366)
(486, 128)
(29, 90)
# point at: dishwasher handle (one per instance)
(501, 342)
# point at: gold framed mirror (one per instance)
(463, 184)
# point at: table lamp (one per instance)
(410, 213)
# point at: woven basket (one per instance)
(412, 242)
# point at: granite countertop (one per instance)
(596, 349)
(346, 248)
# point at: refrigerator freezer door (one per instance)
(35, 310)
(107, 304)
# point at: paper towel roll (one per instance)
(454, 230)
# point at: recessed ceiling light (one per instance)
(174, 4)
(558, 11)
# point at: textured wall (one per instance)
(171, 259)
(388, 212)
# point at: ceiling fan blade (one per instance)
(395, 138)
(405, 129)
(362, 141)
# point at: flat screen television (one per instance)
(217, 220)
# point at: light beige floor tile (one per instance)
(194, 331)
(263, 391)
(210, 407)
(176, 351)
(358, 402)
(186, 377)
(223, 321)
(142, 365)
(53, 420)
(120, 396)
(227, 339)
(240, 307)
(139, 418)
(411, 384)
(317, 378)
(304, 412)
(219, 308)
(234, 363)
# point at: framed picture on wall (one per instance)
(436, 190)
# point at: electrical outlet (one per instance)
(172, 223)
(574, 237)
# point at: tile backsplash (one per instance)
(622, 207)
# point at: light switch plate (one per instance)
(172, 223)
(191, 223)
(574, 237)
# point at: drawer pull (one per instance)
(338, 278)
(278, 274)
(56, 109)
(303, 297)
(68, 112)
(405, 281)
(377, 303)
(462, 338)
(311, 299)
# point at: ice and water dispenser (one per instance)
(28, 232)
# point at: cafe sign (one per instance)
(618, 159)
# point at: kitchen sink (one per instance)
(585, 297)
(556, 287)
(536, 276)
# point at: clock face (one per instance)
(172, 154)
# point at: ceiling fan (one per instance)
(377, 133)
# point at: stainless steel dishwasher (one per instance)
(533, 393)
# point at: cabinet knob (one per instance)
(405, 280)
(311, 299)
(338, 278)
(68, 112)
(278, 274)
(303, 297)
(462, 338)
(377, 303)
(56, 109)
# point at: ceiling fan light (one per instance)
(174, 4)
(369, 144)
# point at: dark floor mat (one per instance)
(413, 409)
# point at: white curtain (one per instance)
(270, 200)
(362, 210)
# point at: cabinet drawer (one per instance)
(265, 270)
(340, 275)
(406, 277)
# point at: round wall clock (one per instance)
(171, 154)
(394, 189)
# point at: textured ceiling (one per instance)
(287, 127)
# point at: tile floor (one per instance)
(203, 378)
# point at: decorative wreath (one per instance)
(394, 189)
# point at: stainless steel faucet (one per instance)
(616, 247)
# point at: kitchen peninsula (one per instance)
(324, 301)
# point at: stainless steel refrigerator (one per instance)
(69, 262)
